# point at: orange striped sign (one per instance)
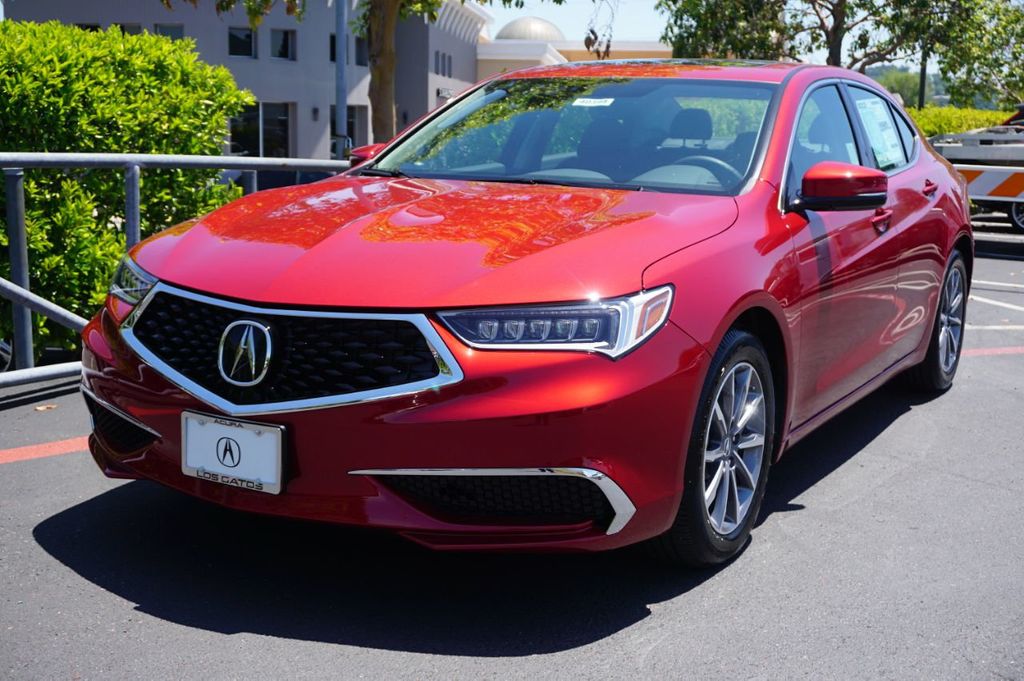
(993, 183)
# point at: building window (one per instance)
(241, 42)
(262, 130)
(282, 44)
(334, 47)
(130, 29)
(245, 132)
(88, 27)
(448, 66)
(276, 127)
(437, 62)
(362, 52)
(172, 31)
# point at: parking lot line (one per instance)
(995, 327)
(997, 303)
(996, 283)
(74, 444)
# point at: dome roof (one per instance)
(530, 28)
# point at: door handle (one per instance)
(929, 188)
(880, 220)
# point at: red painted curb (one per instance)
(75, 444)
(983, 352)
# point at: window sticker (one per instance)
(885, 140)
(586, 101)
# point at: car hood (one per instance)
(419, 243)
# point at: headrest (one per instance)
(691, 124)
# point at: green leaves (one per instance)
(984, 64)
(65, 89)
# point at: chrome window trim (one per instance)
(813, 87)
(449, 371)
(120, 412)
(618, 499)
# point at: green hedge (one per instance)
(941, 120)
(67, 89)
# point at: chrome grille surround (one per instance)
(449, 371)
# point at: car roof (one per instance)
(716, 69)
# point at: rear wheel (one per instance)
(939, 367)
(728, 457)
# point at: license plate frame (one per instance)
(252, 460)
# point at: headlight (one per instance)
(131, 283)
(612, 327)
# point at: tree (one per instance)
(856, 34)
(985, 64)
(66, 89)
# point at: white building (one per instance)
(289, 65)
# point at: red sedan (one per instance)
(578, 307)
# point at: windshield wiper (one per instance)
(569, 183)
(381, 172)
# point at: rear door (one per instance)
(917, 227)
(848, 266)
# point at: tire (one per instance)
(1016, 215)
(936, 372)
(705, 534)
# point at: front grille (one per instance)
(117, 432)
(312, 356)
(530, 499)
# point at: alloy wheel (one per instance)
(734, 445)
(951, 316)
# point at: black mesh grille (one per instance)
(312, 356)
(484, 498)
(116, 431)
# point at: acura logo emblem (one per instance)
(244, 353)
(228, 452)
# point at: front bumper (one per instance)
(623, 425)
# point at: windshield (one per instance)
(633, 133)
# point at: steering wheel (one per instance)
(723, 172)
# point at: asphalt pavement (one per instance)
(890, 546)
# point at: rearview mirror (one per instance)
(365, 153)
(832, 185)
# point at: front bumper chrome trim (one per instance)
(620, 502)
(120, 412)
(449, 370)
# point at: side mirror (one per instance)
(831, 185)
(365, 153)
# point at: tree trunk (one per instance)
(836, 33)
(382, 18)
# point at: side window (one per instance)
(880, 127)
(823, 133)
(906, 134)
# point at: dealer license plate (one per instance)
(236, 453)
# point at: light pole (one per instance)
(340, 75)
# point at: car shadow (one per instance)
(199, 565)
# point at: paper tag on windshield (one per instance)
(584, 101)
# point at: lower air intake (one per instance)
(117, 432)
(487, 499)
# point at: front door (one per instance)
(848, 268)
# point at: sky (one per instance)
(635, 19)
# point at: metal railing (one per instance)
(17, 289)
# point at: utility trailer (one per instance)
(992, 162)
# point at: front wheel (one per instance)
(728, 457)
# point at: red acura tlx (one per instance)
(578, 307)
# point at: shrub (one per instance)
(66, 89)
(941, 120)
